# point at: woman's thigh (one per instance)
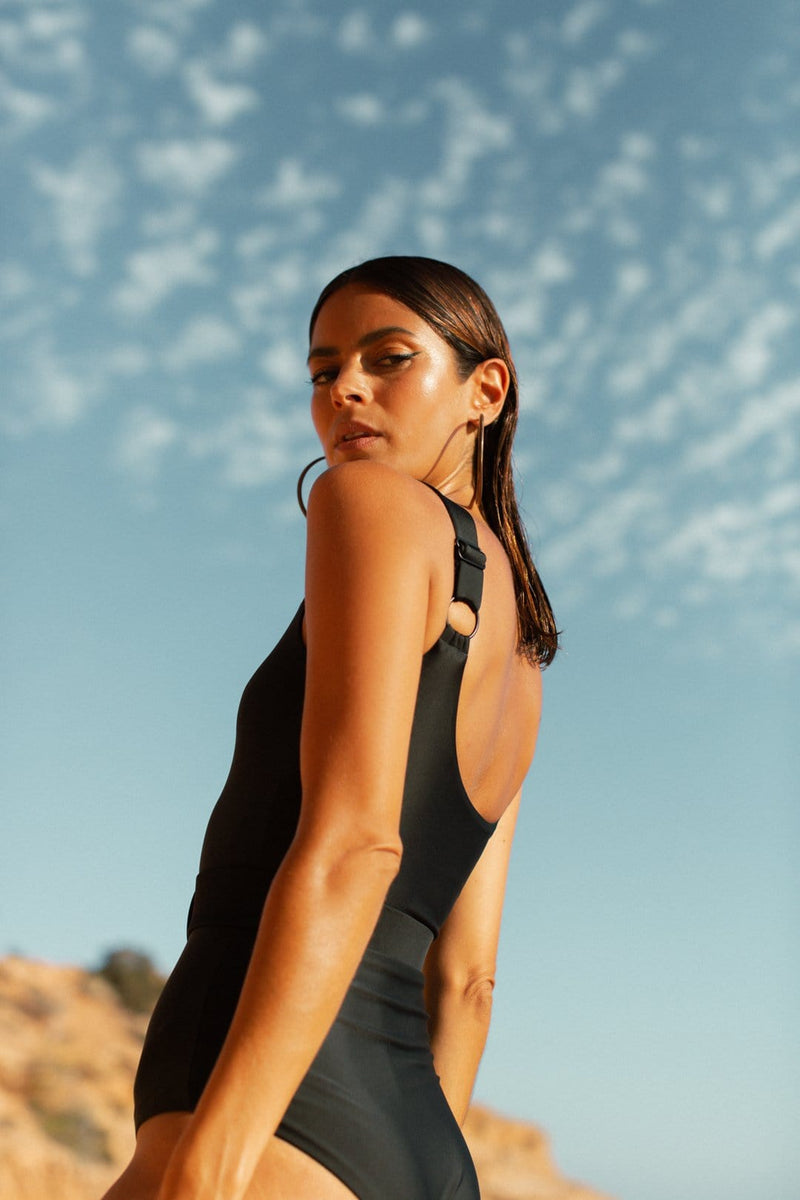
(155, 1142)
(283, 1173)
(286, 1173)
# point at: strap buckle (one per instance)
(472, 555)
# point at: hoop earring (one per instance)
(301, 480)
(477, 489)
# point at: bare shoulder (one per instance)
(364, 496)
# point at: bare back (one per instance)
(500, 704)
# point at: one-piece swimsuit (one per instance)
(370, 1108)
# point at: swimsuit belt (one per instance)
(401, 936)
(233, 898)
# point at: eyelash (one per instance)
(392, 359)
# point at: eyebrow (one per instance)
(374, 336)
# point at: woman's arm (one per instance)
(366, 616)
(460, 969)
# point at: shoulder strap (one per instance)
(469, 558)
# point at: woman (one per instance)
(357, 856)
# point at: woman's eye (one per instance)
(324, 376)
(394, 360)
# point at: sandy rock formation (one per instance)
(68, 1051)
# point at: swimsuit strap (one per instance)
(469, 558)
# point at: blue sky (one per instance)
(180, 178)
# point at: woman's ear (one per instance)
(492, 378)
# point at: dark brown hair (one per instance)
(459, 310)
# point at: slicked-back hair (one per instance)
(458, 309)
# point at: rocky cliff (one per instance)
(68, 1051)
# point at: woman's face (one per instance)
(386, 387)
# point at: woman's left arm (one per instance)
(366, 616)
(460, 969)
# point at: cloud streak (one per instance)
(191, 166)
(155, 272)
(84, 201)
(179, 192)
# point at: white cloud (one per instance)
(356, 35)
(168, 222)
(50, 395)
(49, 24)
(156, 271)
(188, 165)
(297, 186)
(284, 364)
(257, 444)
(622, 178)
(46, 40)
(253, 302)
(658, 423)
(409, 30)
(631, 376)
(760, 416)
(432, 231)
(180, 15)
(84, 199)
(780, 233)
(634, 43)
(531, 77)
(25, 109)
(373, 227)
(145, 437)
(275, 285)
(695, 148)
(602, 470)
(364, 108)
(256, 242)
(220, 103)
(521, 294)
(738, 540)
(471, 133)
(782, 501)
(715, 197)
(767, 179)
(205, 339)
(586, 87)
(153, 49)
(633, 277)
(244, 45)
(638, 145)
(581, 19)
(752, 354)
(33, 316)
(355, 32)
(697, 310)
(602, 539)
(551, 265)
(16, 281)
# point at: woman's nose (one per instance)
(349, 387)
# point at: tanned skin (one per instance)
(391, 411)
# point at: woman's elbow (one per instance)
(479, 993)
(470, 992)
(385, 855)
(364, 860)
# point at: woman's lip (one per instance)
(363, 442)
(356, 437)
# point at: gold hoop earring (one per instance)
(301, 480)
(477, 488)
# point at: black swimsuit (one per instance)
(370, 1108)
